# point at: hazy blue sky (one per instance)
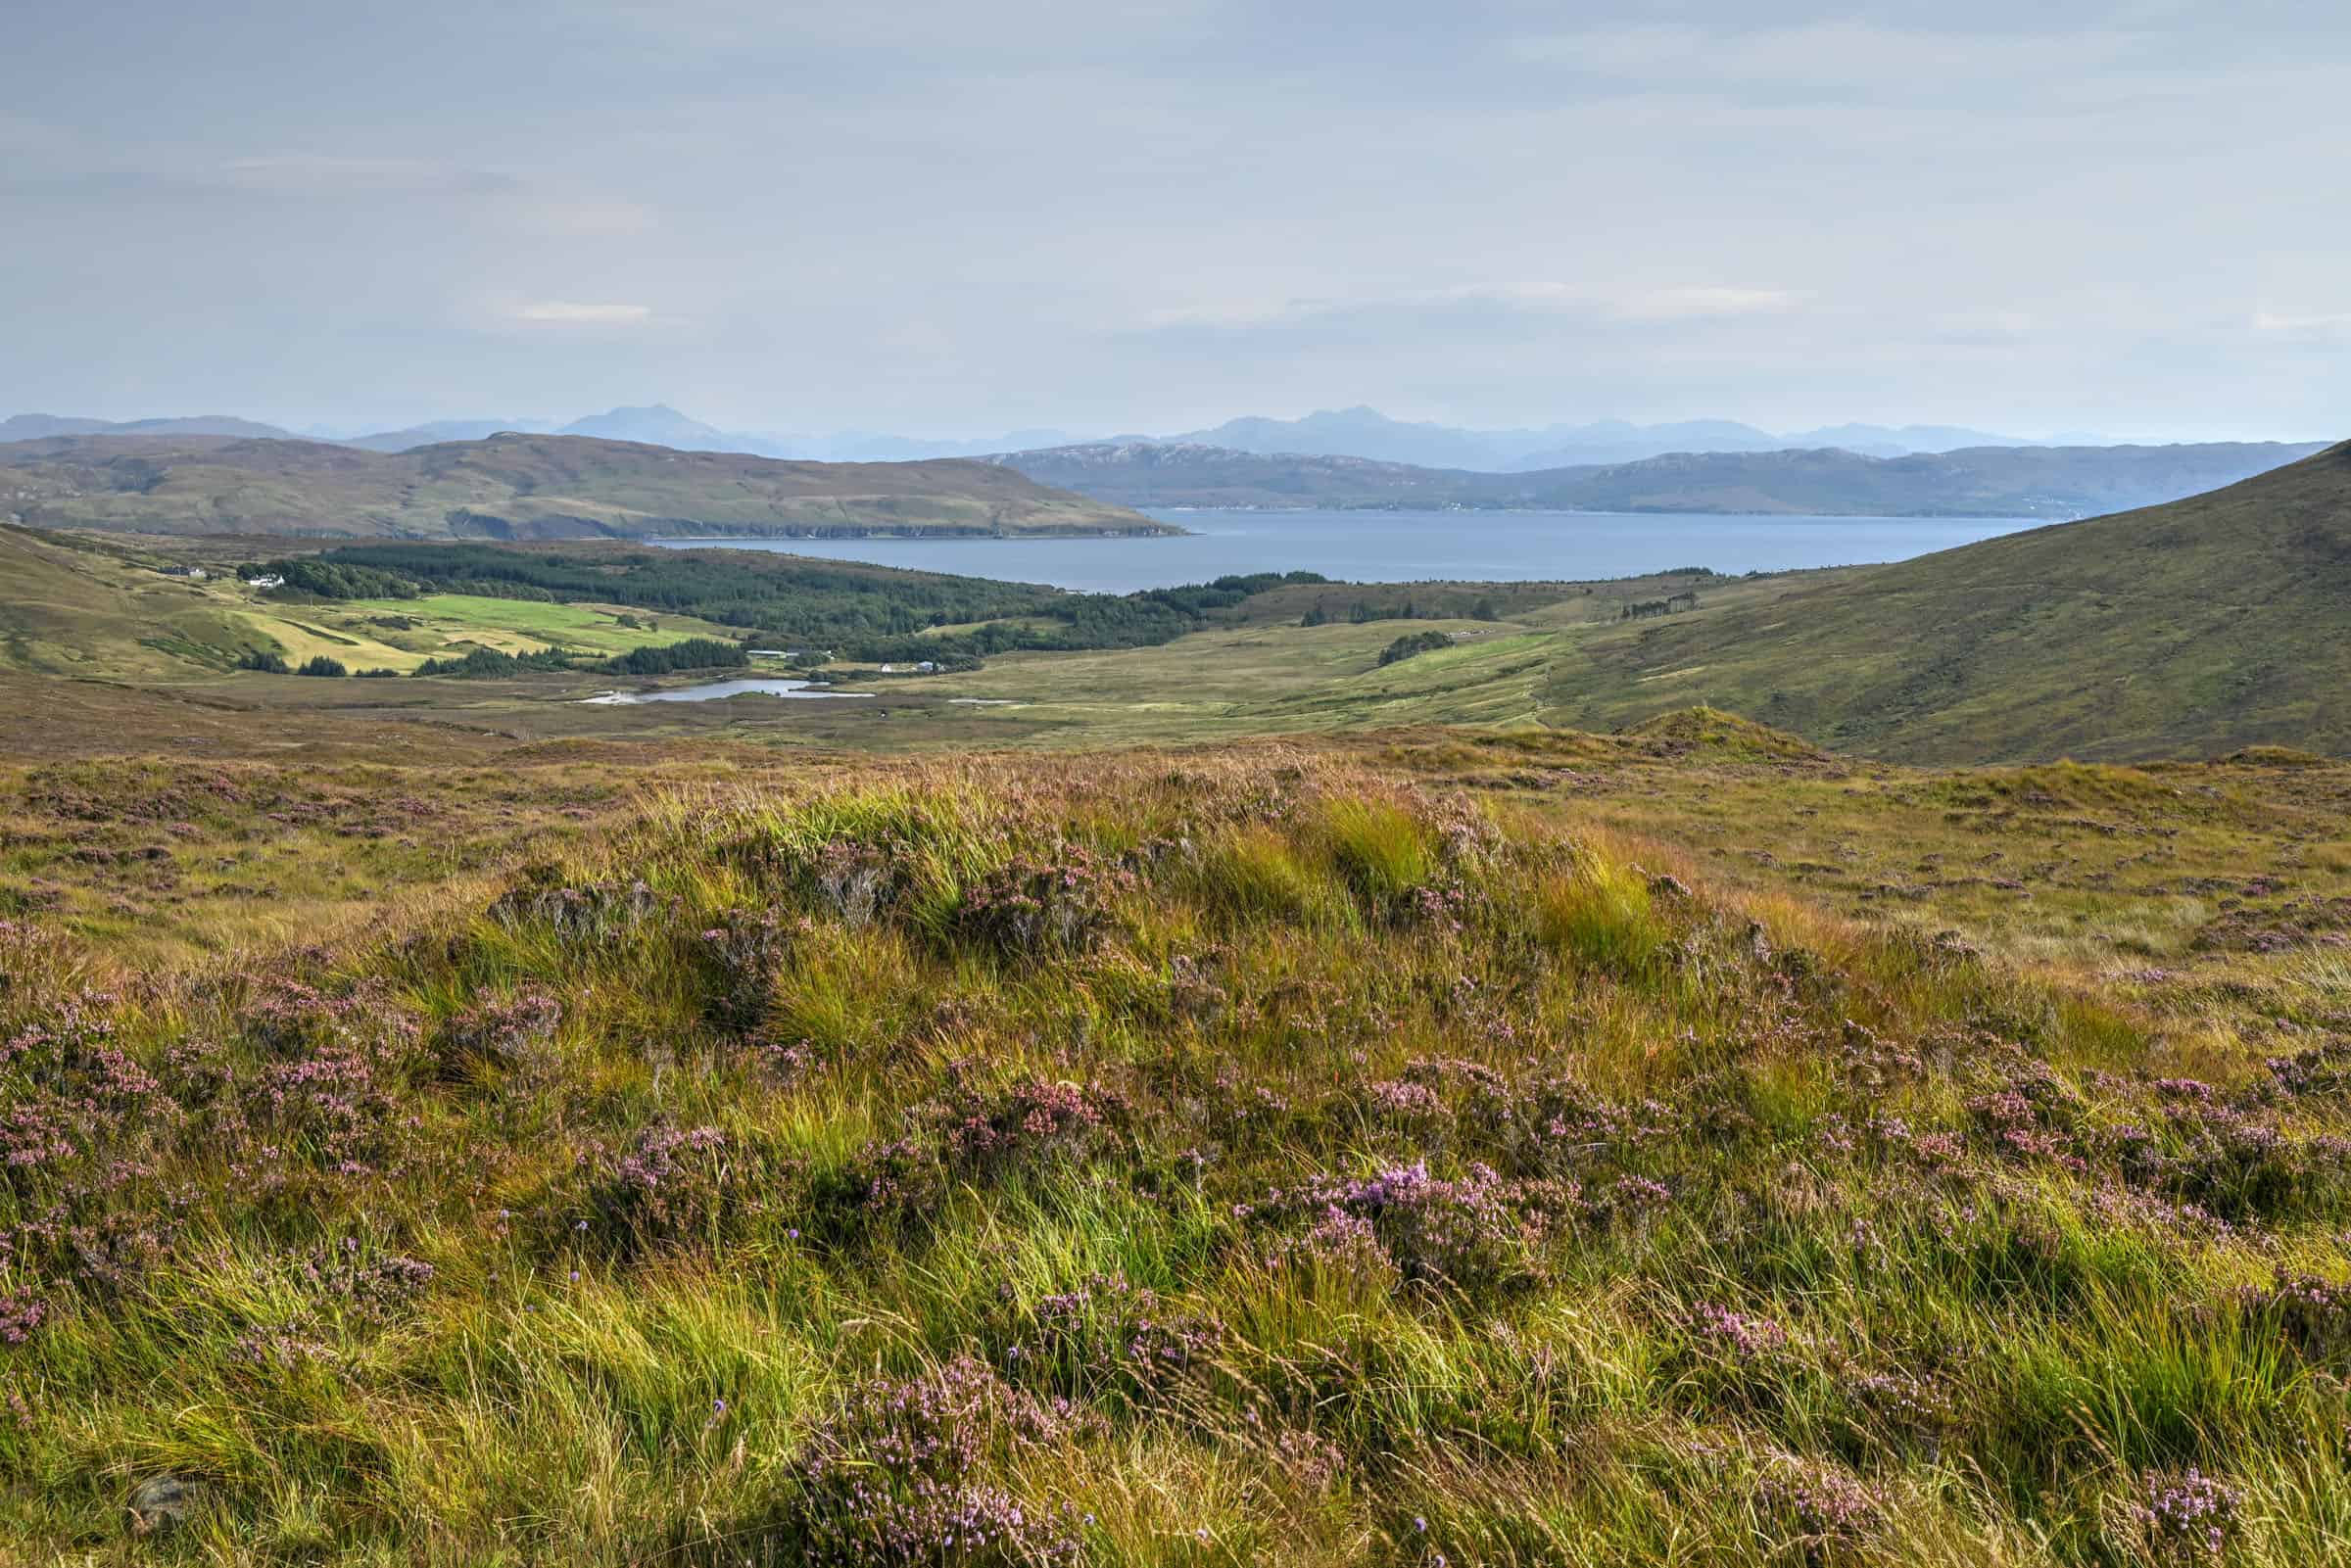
(948, 216)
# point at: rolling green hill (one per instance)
(518, 487)
(2200, 626)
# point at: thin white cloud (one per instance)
(313, 170)
(1706, 303)
(557, 215)
(576, 313)
(2301, 325)
(1534, 297)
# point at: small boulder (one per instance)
(159, 1504)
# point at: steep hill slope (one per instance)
(2203, 625)
(516, 486)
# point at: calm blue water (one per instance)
(1415, 547)
(716, 691)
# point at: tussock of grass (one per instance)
(1156, 1161)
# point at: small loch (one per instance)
(718, 690)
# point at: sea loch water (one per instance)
(1415, 547)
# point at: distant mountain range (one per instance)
(1369, 433)
(39, 426)
(1334, 433)
(2053, 482)
(1359, 458)
(517, 486)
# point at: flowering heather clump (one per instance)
(2033, 1116)
(37, 1134)
(1559, 1124)
(1311, 1461)
(1828, 1513)
(1111, 1333)
(290, 1018)
(2323, 1070)
(20, 1317)
(743, 949)
(893, 1181)
(372, 1288)
(1042, 906)
(1909, 1407)
(1029, 1121)
(591, 912)
(1477, 1232)
(852, 880)
(280, 1347)
(898, 1475)
(1742, 1335)
(1438, 907)
(669, 1186)
(517, 1032)
(117, 1250)
(1346, 1243)
(1630, 1198)
(338, 1102)
(1404, 1104)
(2240, 1166)
(2187, 1518)
(2312, 1314)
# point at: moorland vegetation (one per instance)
(1280, 1156)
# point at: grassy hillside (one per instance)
(93, 609)
(1986, 480)
(2205, 625)
(518, 487)
(1178, 1159)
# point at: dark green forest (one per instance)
(855, 610)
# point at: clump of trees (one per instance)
(491, 665)
(317, 577)
(1414, 646)
(1645, 609)
(321, 664)
(267, 660)
(688, 654)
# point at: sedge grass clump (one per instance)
(1383, 850)
(1602, 915)
(1254, 874)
